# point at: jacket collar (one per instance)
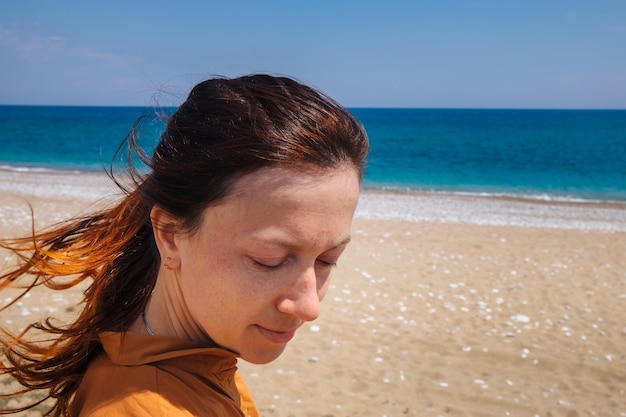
(132, 349)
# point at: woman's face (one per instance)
(261, 260)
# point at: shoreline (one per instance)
(396, 205)
(386, 189)
(492, 210)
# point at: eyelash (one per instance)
(327, 264)
(264, 266)
(274, 267)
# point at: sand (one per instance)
(442, 305)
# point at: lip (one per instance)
(277, 337)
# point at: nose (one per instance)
(302, 298)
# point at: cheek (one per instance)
(204, 275)
(220, 281)
(323, 287)
(216, 279)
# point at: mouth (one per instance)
(276, 336)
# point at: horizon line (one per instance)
(347, 107)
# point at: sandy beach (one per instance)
(443, 305)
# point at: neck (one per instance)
(166, 313)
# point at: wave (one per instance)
(374, 187)
(538, 196)
(39, 169)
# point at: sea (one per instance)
(569, 155)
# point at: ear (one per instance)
(164, 230)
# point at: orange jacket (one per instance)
(141, 376)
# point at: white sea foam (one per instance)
(407, 206)
(56, 184)
(492, 210)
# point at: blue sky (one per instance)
(429, 53)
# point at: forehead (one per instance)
(290, 206)
(292, 180)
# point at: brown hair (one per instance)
(225, 129)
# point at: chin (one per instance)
(262, 357)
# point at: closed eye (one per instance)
(326, 263)
(272, 265)
(267, 264)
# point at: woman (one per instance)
(221, 251)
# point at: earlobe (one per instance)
(163, 228)
(167, 262)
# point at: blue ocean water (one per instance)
(561, 154)
(568, 154)
(65, 137)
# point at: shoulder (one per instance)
(110, 390)
(137, 404)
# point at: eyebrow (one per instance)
(290, 245)
(343, 242)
